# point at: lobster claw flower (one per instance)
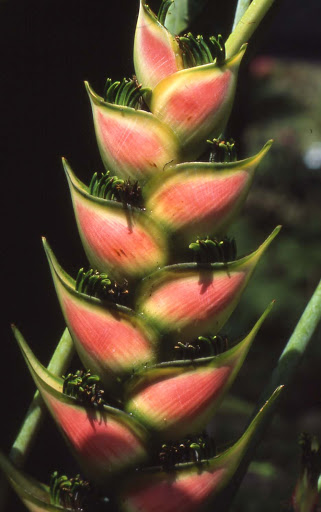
(34, 495)
(189, 487)
(110, 339)
(196, 102)
(118, 239)
(157, 53)
(177, 399)
(189, 299)
(132, 143)
(201, 198)
(105, 440)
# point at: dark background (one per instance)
(48, 48)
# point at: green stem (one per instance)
(30, 427)
(242, 6)
(36, 412)
(297, 344)
(282, 375)
(247, 25)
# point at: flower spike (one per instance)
(110, 339)
(199, 198)
(188, 300)
(104, 440)
(195, 103)
(119, 240)
(132, 143)
(179, 398)
(157, 53)
(189, 487)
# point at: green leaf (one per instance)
(182, 13)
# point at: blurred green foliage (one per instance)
(282, 102)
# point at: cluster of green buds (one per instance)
(145, 318)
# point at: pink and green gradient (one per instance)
(192, 303)
(105, 441)
(119, 240)
(156, 51)
(180, 400)
(188, 301)
(179, 405)
(195, 103)
(111, 340)
(189, 487)
(187, 492)
(200, 199)
(132, 143)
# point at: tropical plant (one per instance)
(146, 317)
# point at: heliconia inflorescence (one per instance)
(163, 278)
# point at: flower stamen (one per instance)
(196, 52)
(222, 150)
(127, 93)
(85, 387)
(70, 493)
(214, 250)
(201, 347)
(113, 188)
(97, 284)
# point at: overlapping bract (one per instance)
(170, 301)
(104, 440)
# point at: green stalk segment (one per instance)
(241, 8)
(35, 414)
(247, 25)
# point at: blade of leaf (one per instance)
(181, 14)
